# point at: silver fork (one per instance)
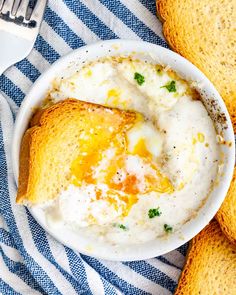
(19, 27)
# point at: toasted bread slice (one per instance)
(204, 32)
(226, 216)
(54, 141)
(211, 265)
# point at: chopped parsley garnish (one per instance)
(171, 86)
(139, 78)
(121, 226)
(168, 228)
(154, 212)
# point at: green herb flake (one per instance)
(154, 212)
(139, 78)
(168, 228)
(121, 226)
(171, 86)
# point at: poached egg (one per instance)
(151, 176)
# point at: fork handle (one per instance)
(12, 49)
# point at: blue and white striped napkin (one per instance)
(31, 261)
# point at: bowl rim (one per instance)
(223, 187)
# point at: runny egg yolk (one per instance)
(130, 170)
(141, 149)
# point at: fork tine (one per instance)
(22, 9)
(7, 6)
(38, 11)
(1, 4)
(15, 7)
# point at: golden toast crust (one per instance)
(52, 143)
(226, 216)
(211, 264)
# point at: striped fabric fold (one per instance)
(31, 261)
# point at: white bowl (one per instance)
(184, 68)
